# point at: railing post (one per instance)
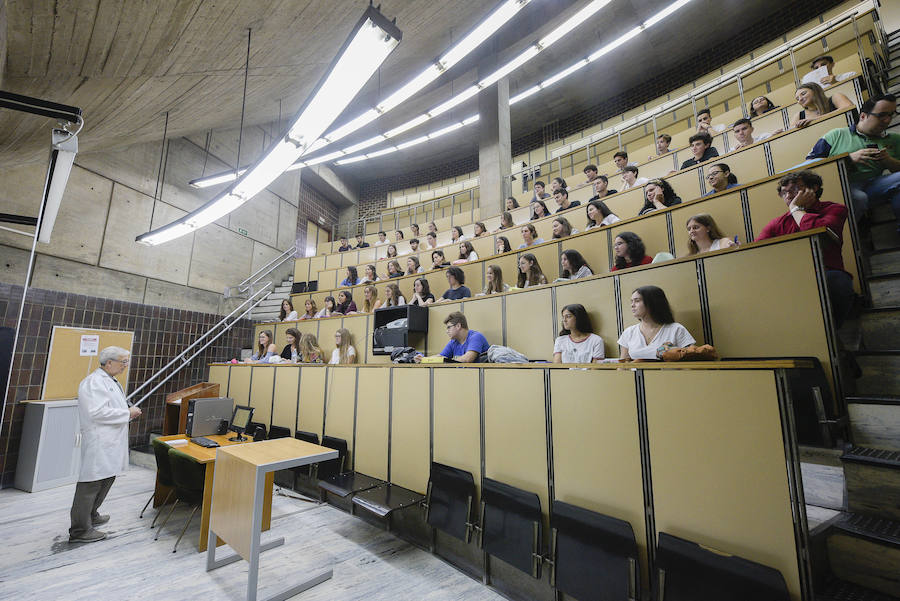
(740, 83)
(655, 131)
(794, 66)
(862, 56)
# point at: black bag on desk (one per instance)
(404, 355)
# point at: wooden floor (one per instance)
(37, 561)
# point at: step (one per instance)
(884, 235)
(884, 261)
(841, 590)
(875, 421)
(873, 482)
(884, 289)
(282, 290)
(880, 372)
(880, 327)
(866, 551)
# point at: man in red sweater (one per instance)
(801, 192)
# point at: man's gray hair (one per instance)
(113, 352)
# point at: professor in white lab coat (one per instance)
(104, 417)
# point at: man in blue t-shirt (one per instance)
(465, 345)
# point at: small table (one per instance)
(238, 500)
(207, 457)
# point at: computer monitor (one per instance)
(240, 419)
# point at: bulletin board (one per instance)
(67, 366)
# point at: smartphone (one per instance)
(875, 146)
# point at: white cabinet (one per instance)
(50, 448)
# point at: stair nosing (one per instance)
(876, 352)
(847, 516)
(883, 276)
(872, 399)
(853, 455)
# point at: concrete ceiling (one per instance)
(127, 62)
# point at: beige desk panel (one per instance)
(484, 315)
(437, 280)
(359, 334)
(281, 335)
(679, 282)
(218, 374)
(598, 298)
(410, 429)
(308, 326)
(652, 230)
(339, 407)
(789, 150)
(625, 204)
(287, 389)
(696, 439)
(311, 412)
(515, 430)
(437, 331)
(747, 165)
(457, 420)
(725, 210)
(508, 264)
(327, 328)
(687, 184)
(239, 386)
(372, 425)
(532, 323)
(261, 392)
(232, 515)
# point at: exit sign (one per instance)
(242, 231)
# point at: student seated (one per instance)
(344, 353)
(352, 278)
(310, 351)
(506, 221)
(345, 246)
(503, 245)
(382, 239)
(310, 309)
(573, 265)
(394, 298)
(412, 266)
(394, 270)
(658, 194)
(801, 192)
(598, 214)
(432, 228)
(630, 178)
(702, 149)
(431, 239)
(656, 330)
(620, 158)
(577, 342)
(814, 104)
(291, 350)
(720, 178)
(743, 132)
(493, 276)
(437, 259)
(704, 235)
(511, 203)
(829, 79)
(414, 245)
(465, 345)
(414, 228)
(480, 229)
(561, 197)
(456, 234)
(529, 236)
(345, 305)
(872, 151)
(628, 250)
(590, 172)
(466, 253)
(398, 236)
(704, 123)
(562, 228)
(662, 146)
(539, 209)
(530, 273)
(370, 276)
(601, 188)
(370, 299)
(760, 106)
(361, 242)
(421, 293)
(539, 193)
(264, 349)
(287, 312)
(556, 183)
(391, 251)
(456, 278)
(328, 307)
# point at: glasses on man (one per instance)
(713, 174)
(885, 114)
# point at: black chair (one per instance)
(332, 467)
(163, 476)
(688, 572)
(595, 556)
(257, 430)
(333, 478)
(279, 432)
(511, 526)
(188, 476)
(450, 500)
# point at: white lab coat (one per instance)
(104, 417)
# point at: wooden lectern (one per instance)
(239, 496)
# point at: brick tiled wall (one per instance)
(313, 205)
(160, 333)
(373, 193)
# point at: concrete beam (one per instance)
(332, 186)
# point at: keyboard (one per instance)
(205, 442)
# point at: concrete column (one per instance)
(494, 148)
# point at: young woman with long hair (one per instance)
(494, 284)
(577, 342)
(394, 298)
(370, 299)
(421, 293)
(530, 273)
(310, 351)
(292, 349)
(344, 353)
(287, 312)
(656, 330)
(574, 266)
(704, 235)
(311, 309)
(629, 250)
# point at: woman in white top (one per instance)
(344, 353)
(413, 266)
(530, 236)
(573, 265)
(371, 275)
(657, 330)
(370, 299)
(577, 342)
(394, 298)
(466, 253)
(328, 307)
(311, 309)
(598, 214)
(562, 228)
(456, 234)
(287, 311)
(493, 275)
(705, 236)
(530, 273)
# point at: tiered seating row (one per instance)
(587, 438)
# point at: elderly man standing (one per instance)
(104, 417)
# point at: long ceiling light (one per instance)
(600, 52)
(484, 30)
(367, 47)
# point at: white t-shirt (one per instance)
(579, 352)
(336, 355)
(633, 340)
(292, 316)
(637, 183)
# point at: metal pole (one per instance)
(794, 66)
(862, 55)
(655, 132)
(740, 83)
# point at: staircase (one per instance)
(270, 309)
(856, 553)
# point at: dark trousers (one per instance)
(88, 498)
(840, 291)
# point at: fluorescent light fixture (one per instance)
(412, 142)
(525, 94)
(408, 125)
(215, 180)
(373, 38)
(565, 73)
(572, 22)
(483, 31)
(63, 148)
(167, 233)
(664, 13)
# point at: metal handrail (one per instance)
(259, 274)
(202, 336)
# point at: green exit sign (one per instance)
(242, 231)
